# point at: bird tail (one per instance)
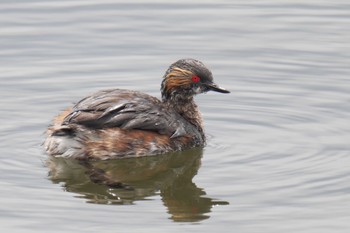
(61, 141)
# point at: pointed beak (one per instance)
(214, 87)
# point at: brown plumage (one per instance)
(123, 123)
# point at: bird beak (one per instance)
(214, 87)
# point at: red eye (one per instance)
(195, 79)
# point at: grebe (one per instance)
(120, 123)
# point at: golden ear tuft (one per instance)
(178, 72)
(178, 82)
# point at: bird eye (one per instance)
(195, 79)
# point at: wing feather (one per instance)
(128, 110)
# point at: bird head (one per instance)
(186, 78)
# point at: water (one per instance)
(278, 146)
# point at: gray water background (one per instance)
(278, 151)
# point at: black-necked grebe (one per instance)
(123, 123)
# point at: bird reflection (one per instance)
(125, 181)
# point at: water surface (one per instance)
(278, 146)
